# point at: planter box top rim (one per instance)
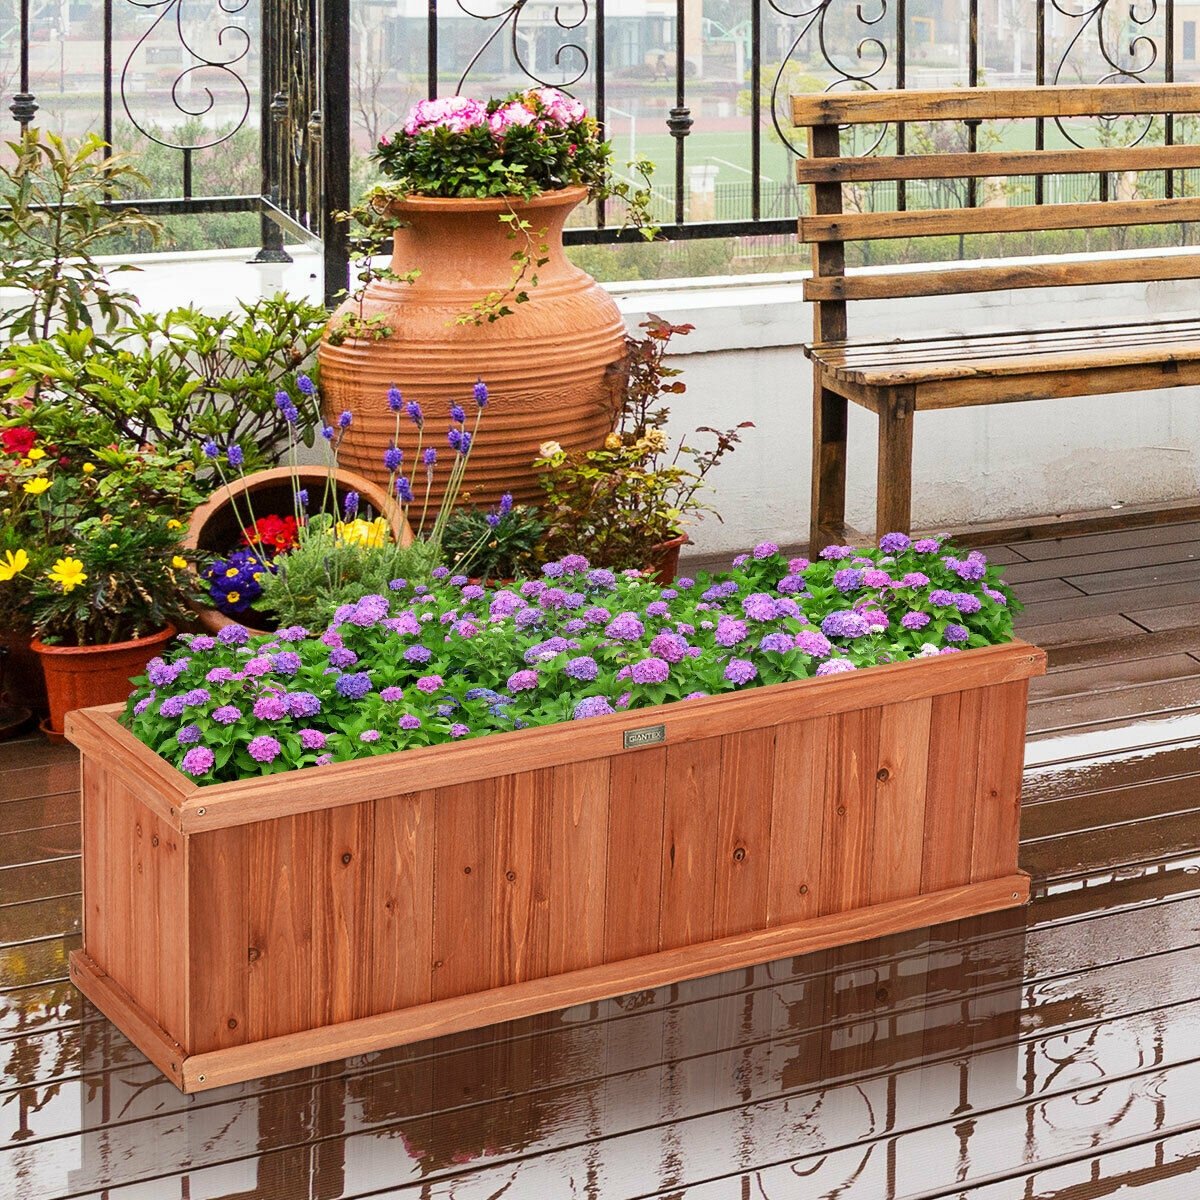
(192, 807)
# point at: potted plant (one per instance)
(90, 564)
(485, 803)
(497, 543)
(479, 196)
(630, 500)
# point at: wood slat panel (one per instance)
(989, 104)
(900, 785)
(849, 827)
(1001, 749)
(955, 281)
(1020, 218)
(1003, 164)
(280, 918)
(218, 928)
(633, 884)
(578, 865)
(797, 871)
(464, 848)
(96, 907)
(342, 887)
(692, 806)
(744, 832)
(521, 878)
(950, 798)
(403, 901)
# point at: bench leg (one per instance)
(893, 483)
(828, 517)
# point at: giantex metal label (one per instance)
(650, 736)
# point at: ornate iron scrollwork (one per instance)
(1130, 64)
(510, 17)
(871, 56)
(239, 48)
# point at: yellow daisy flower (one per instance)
(179, 563)
(35, 487)
(12, 564)
(36, 453)
(68, 573)
(88, 468)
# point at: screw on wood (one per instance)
(841, 811)
(510, 875)
(883, 774)
(201, 811)
(232, 1023)
(199, 1078)
(804, 889)
(466, 870)
(346, 858)
(739, 854)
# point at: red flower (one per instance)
(18, 441)
(273, 532)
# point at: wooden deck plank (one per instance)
(1139, 558)
(1138, 700)
(1108, 677)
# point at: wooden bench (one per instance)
(896, 378)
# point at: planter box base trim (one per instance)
(217, 1068)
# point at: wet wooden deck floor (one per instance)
(1054, 1052)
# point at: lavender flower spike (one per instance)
(395, 399)
(481, 393)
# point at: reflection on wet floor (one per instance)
(1047, 1052)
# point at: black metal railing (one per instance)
(699, 87)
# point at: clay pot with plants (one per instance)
(480, 285)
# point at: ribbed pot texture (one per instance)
(555, 368)
(84, 676)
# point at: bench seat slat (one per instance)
(962, 280)
(1044, 351)
(987, 104)
(994, 164)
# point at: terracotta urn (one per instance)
(216, 526)
(555, 368)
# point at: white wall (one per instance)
(744, 362)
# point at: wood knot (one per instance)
(231, 1023)
(466, 870)
(253, 954)
(346, 858)
(883, 774)
(739, 854)
(804, 889)
(841, 810)
(154, 840)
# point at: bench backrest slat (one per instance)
(993, 104)
(829, 174)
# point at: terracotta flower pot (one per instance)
(664, 559)
(216, 526)
(555, 368)
(84, 676)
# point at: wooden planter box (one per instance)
(239, 929)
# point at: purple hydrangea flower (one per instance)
(651, 670)
(721, 591)
(353, 687)
(574, 564)
(966, 603)
(597, 615)
(408, 721)
(198, 761)
(531, 589)
(286, 662)
(369, 735)
(188, 735)
(221, 675)
(875, 617)
(143, 704)
(836, 666)
(602, 579)
(740, 670)
(817, 645)
(303, 704)
(972, 568)
(233, 635)
(940, 598)
(625, 627)
(894, 543)
(522, 681)
(848, 579)
(658, 608)
(418, 654)
(914, 620)
(777, 643)
(847, 624)
(765, 550)
(430, 683)
(270, 708)
(789, 585)
(592, 706)
(683, 583)
(741, 560)
(389, 695)
(730, 631)
(197, 697)
(312, 739)
(993, 594)
(552, 598)
(915, 579)
(340, 657)
(955, 633)
(264, 748)
(873, 577)
(257, 666)
(832, 553)
(670, 647)
(584, 667)
(459, 730)
(926, 545)
(760, 607)
(553, 570)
